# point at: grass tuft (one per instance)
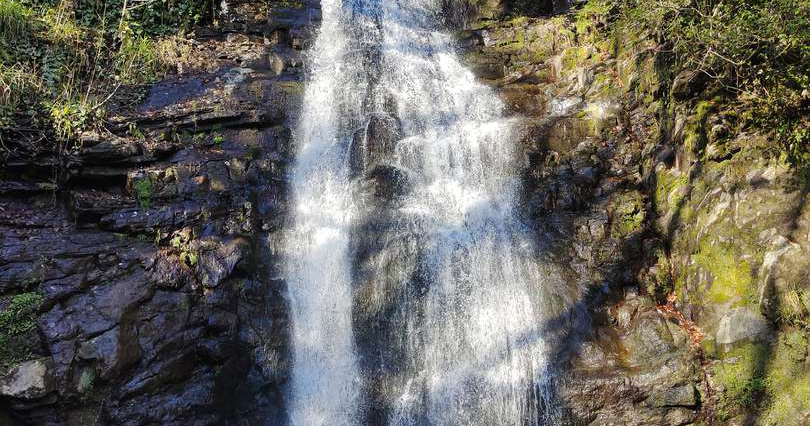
(15, 20)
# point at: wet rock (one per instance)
(218, 258)
(115, 350)
(23, 188)
(171, 92)
(388, 182)
(168, 270)
(104, 149)
(375, 144)
(141, 250)
(88, 206)
(28, 380)
(678, 396)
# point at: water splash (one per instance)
(478, 357)
(452, 270)
(325, 376)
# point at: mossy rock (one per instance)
(670, 191)
(590, 18)
(600, 116)
(731, 280)
(741, 377)
(769, 380)
(18, 329)
(606, 87)
(694, 137)
(788, 380)
(573, 58)
(629, 214)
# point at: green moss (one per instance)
(607, 87)
(189, 258)
(668, 190)
(731, 277)
(17, 322)
(609, 46)
(632, 222)
(774, 376)
(517, 22)
(660, 284)
(704, 108)
(574, 57)
(648, 80)
(742, 377)
(788, 380)
(629, 214)
(512, 45)
(588, 19)
(694, 138)
(680, 286)
(628, 73)
(144, 189)
(709, 347)
(533, 56)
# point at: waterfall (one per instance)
(405, 221)
(325, 377)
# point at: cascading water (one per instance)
(325, 378)
(435, 251)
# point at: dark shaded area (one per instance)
(535, 8)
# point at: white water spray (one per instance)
(475, 353)
(325, 377)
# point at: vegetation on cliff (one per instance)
(752, 55)
(17, 323)
(718, 92)
(63, 63)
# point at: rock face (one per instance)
(686, 240)
(626, 360)
(140, 269)
(140, 285)
(741, 325)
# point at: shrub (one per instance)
(60, 27)
(754, 53)
(63, 62)
(16, 87)
(136, 61)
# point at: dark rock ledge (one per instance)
(144, 272)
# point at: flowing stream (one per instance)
(405, 194)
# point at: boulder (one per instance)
(374, 144)
(388, 182)
(28, 380)
(115, 351)
(742, 324)
(218, 259)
